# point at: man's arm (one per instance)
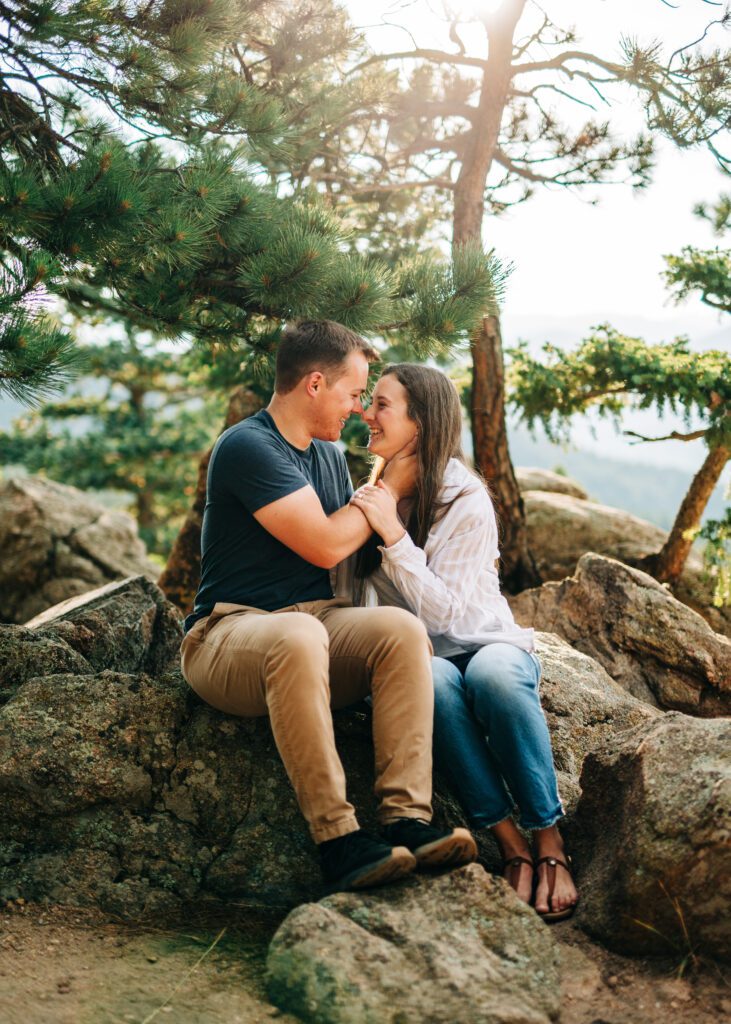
(299, 521)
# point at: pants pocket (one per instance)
(221, 610)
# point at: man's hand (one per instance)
(378, 505)
(400, 472)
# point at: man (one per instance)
(268, 638)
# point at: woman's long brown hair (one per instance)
(433, 404)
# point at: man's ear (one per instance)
(314, 383)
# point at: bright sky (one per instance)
(578, 264)
(573, 258)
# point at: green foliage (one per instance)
(717, 556)
(705, 271)
(443, 303)
(610, 371)
(154, 209)
(138, 424)
(718, 213)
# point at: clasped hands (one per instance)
(378, 502)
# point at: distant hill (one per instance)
(651, 492)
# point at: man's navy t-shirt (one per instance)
(241, 563)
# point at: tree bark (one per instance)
(145, 510)
(517, 569)
(492, 456)
(180, 578)
(667, 565)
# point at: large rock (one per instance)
(126, 626)
(650, 643)
(58, 542)
(561, 528)
(458, 949)
(583, 708)
(656, 814)
(120, 788)
(530, 478)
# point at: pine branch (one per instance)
(435, 56)
(674, 435)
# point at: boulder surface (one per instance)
(656, 814)
(530, 478)
(58, 542)
(120, 788)
(583, 708)
(650, 643)
(561, 528)
(456, 949)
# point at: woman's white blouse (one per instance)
(452, 584)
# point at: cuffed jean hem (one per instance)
(483, 821)
(340, 828)
(549, 822)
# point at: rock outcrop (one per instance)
(58, 542)
(651, 644)
(120, 788)
(457, 949)
(656, 814)
(562, 528)
(530, 478)
(583, 708)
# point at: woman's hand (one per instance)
(378, 505)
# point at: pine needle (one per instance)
(199, 961)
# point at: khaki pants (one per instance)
(295, 664)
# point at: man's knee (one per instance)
(303, 641)
(407, 628)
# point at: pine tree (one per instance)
(155, 209)
(480, 124)
(610, 372)
(137, 423)
(707, 272)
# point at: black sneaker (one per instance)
(433, 847)
(358, 860)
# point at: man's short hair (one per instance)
(316, 345)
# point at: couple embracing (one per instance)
(429, 637)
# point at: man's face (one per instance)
(337, 401)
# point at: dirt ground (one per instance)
(64, 966)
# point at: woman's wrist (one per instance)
(393, 536)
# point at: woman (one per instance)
(435, 553)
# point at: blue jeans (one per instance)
(491, 739)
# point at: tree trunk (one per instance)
(180, 578)
(492, 456)
(145, 510)
(667, 565)
(517, 569)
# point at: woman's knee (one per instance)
(501, 672)
(448, 684)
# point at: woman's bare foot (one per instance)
(519, 875)
(548, 843)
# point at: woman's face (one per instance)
(388, 421)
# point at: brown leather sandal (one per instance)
(553, 862)
(510, 865)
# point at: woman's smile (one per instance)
(390, 426)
